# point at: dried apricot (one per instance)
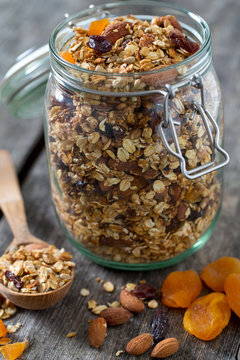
(232, 290)
(207, 316)
(66, 55)
(13, 351)
(3, 330)
(97, 27)
(215, 273)
(180, 288)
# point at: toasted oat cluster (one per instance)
(7, 309)
(37, 271)
(128, 44)
(116, 188)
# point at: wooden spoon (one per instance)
(12, 205)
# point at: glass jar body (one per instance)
(119, 195)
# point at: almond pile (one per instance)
(118, 313)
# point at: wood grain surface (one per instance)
(27, 23)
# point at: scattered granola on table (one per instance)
(35, 271)
(116, 188)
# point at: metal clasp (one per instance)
(214, 139)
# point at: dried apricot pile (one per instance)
(180, 288)
(207, 316)
(232, 290)
(216, 273)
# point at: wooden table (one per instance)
(27, 23)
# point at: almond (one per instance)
(97, 332)
(146, 40)
(115, 316)
(131, 302)
(165, 348)
(139, 344)
(160, 78)
(116, 31)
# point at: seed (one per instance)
(84, 292)
(152, 304)
(98, 309)
(108, 286)
(71, 334)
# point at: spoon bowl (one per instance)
(12, 205)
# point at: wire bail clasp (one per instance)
(214, 138)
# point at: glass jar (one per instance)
(134, 159)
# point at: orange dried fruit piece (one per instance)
(4, 341)
(232, 290)
(3, 329)
(97, 27)
(180, 288)
(66, 55)
(216, 273)
(13, 351)
(207, 316)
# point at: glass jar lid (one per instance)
(23, 86)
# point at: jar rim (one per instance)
(92, 10)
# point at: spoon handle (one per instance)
(11, 200)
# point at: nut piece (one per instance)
(84, 292)
(152, 304)
(115, 316)
(131, 302)
(108, 286)
(98, 309)
(116, 31)
(165, 348)
(140, 344)
(92, 304)
(97, 332)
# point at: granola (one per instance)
(35, 271)
(115, 187)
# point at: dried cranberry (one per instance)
(160, 325)
(144, 291)
(195, 214)
(14, 278)
(99, 43)
(183, 42)
(80, 185)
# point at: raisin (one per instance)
(159, 325)
(14, 278)
(232, 290)
(207, 316)
(80, 185)
(216, 273)
(180, 288)
(195, 215)
(118, 131)
(144, 291)
(99, 43)
(181, 41)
